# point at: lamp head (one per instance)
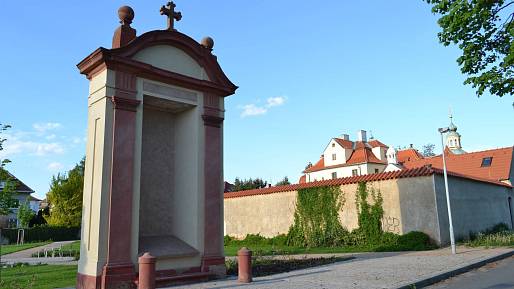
(443, 130)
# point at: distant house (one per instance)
(22, 194)
(345, 158)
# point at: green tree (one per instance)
(65, 197)
(25, 214)
(283, 182)
(484, 31)
(8, 186)
(248, 184)
(428, 150)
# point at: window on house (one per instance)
(333, 144)
(334, 175)
(486, 162)
(376, 171)
(333, 157)
(2, 185)
(16, 204)
(355, 172)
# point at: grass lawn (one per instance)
(7, 249)
(39, 277)
(263, 250)
(75, 246)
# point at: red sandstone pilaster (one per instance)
(213, 174)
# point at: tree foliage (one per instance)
(25, 214)
(484, 31)
(428, 150)
(9, 186)
(65, 197)
(249, 184)
(283, 182)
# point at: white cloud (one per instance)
(50, 137)
(275, 101)
(254, 110)
(47, 126)
(55, 166)
(18, 144)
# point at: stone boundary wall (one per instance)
(272, 214)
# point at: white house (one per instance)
(21, 195)
(345, 158)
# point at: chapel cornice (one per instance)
(120, 59)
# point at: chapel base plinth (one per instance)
(120, 276)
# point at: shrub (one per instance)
(43, 233)
(256, 239)
(504, 238)
(412, 241)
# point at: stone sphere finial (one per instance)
(207, 42)
(126, 15)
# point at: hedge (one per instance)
(43, 233)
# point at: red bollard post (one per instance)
(146, 271)
(244, 264)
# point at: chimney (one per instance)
(411, 146)
(345, 136)
(361, 136)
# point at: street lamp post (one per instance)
(452, 237)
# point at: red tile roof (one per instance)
(363, 155)
(302, 180)
(376, 143)
(408, 155)
(347, 144)
(320, 165)
(407, 173)
(470, 163)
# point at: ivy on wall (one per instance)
(317, 223)
(316, 219)
(369, 215)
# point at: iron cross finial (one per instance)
(169, 11)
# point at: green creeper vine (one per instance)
(369, 216)
(316, 219)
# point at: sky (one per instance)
(306, 72)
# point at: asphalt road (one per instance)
(497, 275)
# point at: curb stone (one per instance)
(446, 275)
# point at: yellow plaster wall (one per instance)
(268, 215)
(93, 249)
(172, 59)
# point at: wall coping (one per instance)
(423, 171)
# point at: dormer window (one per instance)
(334, 157)
(486, 162)
(333, 144)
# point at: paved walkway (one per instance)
(25, 256)
(368, 270)
(497, 275)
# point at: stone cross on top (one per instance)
(169, 10)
